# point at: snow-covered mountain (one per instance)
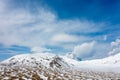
(108, 64)
(112, 60)
(47, 66)
(44, 59)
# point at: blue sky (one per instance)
(86, 28)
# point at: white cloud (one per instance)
(115, 46)
(24, 28)
(64, 38)
(115, 43)
(83, 50)
(40, 50)
(79, 26)
(21, 27)
(114, 51)
(100, 50)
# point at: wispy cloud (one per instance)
(44, 28)
(24, 28)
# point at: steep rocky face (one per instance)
(58, 62)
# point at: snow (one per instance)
(6, 78)
(109, 64)
(43, 58)
(62, 66)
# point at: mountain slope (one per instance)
(114, 59)
(34, 67)
(38, 59)
(46, 58)
(47, 66)
(108, 64)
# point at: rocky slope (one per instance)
(47, 66)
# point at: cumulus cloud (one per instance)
(82, 50)
(115, 46)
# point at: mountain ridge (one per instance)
(47, 58)
(48, 66)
